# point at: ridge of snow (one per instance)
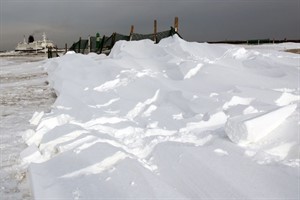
(157, 120)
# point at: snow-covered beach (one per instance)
(175, 120)
(23, 91)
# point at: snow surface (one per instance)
(149, 120)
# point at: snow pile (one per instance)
(149, 121)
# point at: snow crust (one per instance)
(158, 120)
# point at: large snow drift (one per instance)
(148, 121)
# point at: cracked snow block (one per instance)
(36, 118)
(253, 127)
(31, 154)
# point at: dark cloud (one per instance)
(200, 20)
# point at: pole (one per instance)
(101, 44)
(97, 41)
(131, 32)
(89, 44)
(79, 43)
(176, 24)
(50, 52)
(113, 40)
(155, 31)
(66, 48)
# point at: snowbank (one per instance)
(134, 123)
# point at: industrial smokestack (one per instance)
(30, 39)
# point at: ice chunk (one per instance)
(221, 152)
(235, 100)
(240, 53)
(30, 154)
(70, 52)
(193, 71)
(282, 150)
(250, 110)
(215, 121)
(253, 127)
(28, 134)
(36, 118)
(287, 98)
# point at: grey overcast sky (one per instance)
(65, 21)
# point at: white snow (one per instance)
(31, 153)
(36, 118)
(221, 152)
(192, 72)
(235, 100)
(253, 127)
(157, 121)
(287, 98)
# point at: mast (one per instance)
(44, 37)
(45, 42)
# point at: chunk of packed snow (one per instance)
(28, 134)
(215, 121)
(287, 98)
(31, 154)
(250, 110)
(37, 116)
(235, 100)
(221, 152)
(193, 71)
(282, 150)
(253, 127)
(240, 53)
